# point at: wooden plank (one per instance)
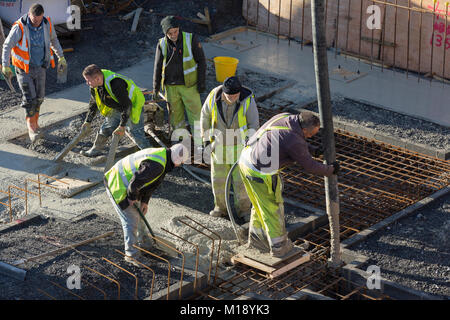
(291, 265)
(68, 187)
(252, 263)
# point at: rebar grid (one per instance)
(376, 181)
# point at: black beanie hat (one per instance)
(232, 85)
(169, 22)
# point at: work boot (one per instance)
(131, 259)
(217, 213)
(34, 131)
(282, 249)
(97, 148)
(146, 244)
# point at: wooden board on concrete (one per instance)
(344, 75)
(69, 187)
(273, 266)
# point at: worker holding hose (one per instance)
(130, 184)
(229, 117)
(280, 142)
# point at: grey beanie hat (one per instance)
(169, 22)
(231, 85)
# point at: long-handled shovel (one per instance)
(158, 240)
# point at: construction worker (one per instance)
(130, 184)
(180, 70)
(120, 101)
(280, 142)
(229, 117)
(30, 45)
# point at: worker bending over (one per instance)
(120, 101)
(280, 142)
(131, 181)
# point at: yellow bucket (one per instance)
(225, 67)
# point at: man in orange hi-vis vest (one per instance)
(30, 45)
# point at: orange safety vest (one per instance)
(20, 54)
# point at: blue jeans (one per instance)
(133, 227)
(136, 130)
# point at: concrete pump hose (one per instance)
(227, 201)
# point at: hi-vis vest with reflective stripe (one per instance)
(20, 54)
(189, 64)
(119, 176)
(134, 94)
(245, 157)
(242, 115)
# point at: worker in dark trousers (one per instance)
(180, 70)
(120, 101)
(30, 45)
(280, 142)
(131, 181)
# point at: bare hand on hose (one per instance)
(120, 131)
(144, 207)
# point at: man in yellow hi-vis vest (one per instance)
(180, 70)
(131, 181)
(31, 45)
(120, 101)
(279, 143)
(229, 117)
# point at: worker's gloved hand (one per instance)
(86, 127)
(317, 152)
(336, 166)
(62, 63)
(201, 87)
(7, 71)
(120, 131)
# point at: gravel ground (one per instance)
(389, 123)
(46, 234)
(415, 251)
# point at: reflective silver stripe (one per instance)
(108, 80)
(190, 69)
(19, 58)
(122, 174)
(25, 37)
(130, 94)
(244, 159)
(163, 45)
(189, 47)
(132, 160)
(243, 128)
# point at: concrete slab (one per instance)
(386, 89)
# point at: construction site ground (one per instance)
(413, 252)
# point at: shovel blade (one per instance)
(61, 75)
